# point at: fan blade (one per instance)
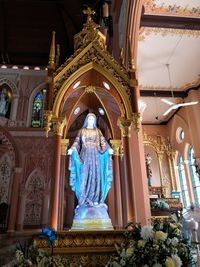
(166, 101)
(187, 104)
(168, 111)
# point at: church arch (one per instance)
(40, 88)
(34, 191)
(12, 97)
(125, 105)
(5, 178)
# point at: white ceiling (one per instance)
(168, 59)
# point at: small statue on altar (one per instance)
(148, 161)
(3, 102)
(90, 168)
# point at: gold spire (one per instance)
(89, 32)
(57, 54)
(131, 64)
(52, 51)
(89, 12)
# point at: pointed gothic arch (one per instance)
(123, 102)
(42, 87)
(34, 190)
(5, 178)
(13, 98)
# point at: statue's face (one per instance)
(90, 121)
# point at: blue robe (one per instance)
(90, 167)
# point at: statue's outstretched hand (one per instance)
(110, 151)
(69, 151)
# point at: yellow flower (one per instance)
(173, 225)
(141, 243)
(129, 252)
(160, 235)
(169, 262)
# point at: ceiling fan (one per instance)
(172, 104)
(175, 106)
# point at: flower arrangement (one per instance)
(159, 205)
(156, 245)
(29, 255)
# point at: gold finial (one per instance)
(89, 12)
(131, 64)
(52, 51)
(57, 54)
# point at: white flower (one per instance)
(147, 232)
(168, 241)
(122, 262)
(157, 265)
(160, 235)
(174, 241)
(177, 261)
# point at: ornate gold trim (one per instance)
(58, 125)
(151, 7)
(145, 31)
(119, 84)
(124, 124)
(52, 121)
(136, 121)
(64, 146)
(90, 89)
(47, 121)
(116, 146)
(161, 145)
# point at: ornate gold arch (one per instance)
(119, 88)
(76, 103)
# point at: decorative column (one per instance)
(64, 146)
(14, 106)
(189, 181)
(45, 208)
(14, 200)
(58, 130)
(127, 194)
(20, 215)
(160, 158)
(139, 176)
(117, 147)
(171, 155)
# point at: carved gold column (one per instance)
(171, 155)
(64, 146)
(14, 200)
(160, 158)
(117, 147)
(127, 195)
(58, 130)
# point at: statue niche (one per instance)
(90, 169)
(5, 101)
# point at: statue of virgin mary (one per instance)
(90, 168)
